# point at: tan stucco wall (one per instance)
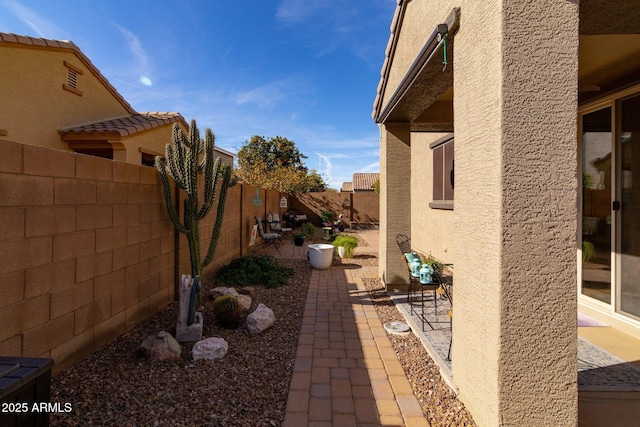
(34, 104)
(432, 230)
(514, 223)
(394, 191)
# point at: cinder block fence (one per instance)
(87, 250)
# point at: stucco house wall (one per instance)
(512, 232)
(432, 230)
(35, 105)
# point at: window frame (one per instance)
(443, 167)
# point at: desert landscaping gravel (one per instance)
(116, 385)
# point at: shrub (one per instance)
(308, 230)
(349, 243)
(254, 270)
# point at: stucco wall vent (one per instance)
(72, 78)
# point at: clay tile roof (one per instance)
(364, 181)
(347, 187)
(127, 125)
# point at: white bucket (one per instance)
(320, 255)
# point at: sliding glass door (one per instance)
(597, 144)
(610, 208)
(629, 289)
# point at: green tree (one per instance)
(276, 163)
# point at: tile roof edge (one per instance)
(42, 43)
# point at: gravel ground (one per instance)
(248, 387)
(439, 403)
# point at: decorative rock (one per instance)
(261, 319)
(161, 347)
(247, 290)
(209, 349)
(244, 301)
(216, 292)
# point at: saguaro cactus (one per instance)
(187, 159)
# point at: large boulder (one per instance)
(161, 347)
(261, 319)
(209, 349)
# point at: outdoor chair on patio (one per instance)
(438, 283)
(268, 238)
(276, 226)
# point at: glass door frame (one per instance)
(612, 101)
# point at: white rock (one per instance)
(210, 348)
(224, 291)
(262, 318)
(244, 301)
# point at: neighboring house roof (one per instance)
(347, 187)
(122, 126)
(364, 181)
(65, 45)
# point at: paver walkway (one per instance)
(346, 372)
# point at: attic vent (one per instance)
(72, 78)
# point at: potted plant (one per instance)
(298, 239)
(308, 230)
(345, 245)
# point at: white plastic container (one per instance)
(320, 255)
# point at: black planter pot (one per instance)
(298, 240)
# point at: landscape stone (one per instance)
(220, 291)
(161, 347)
(244, 301)
(247, 290)
(209, 349)
(261, 319)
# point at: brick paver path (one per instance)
(346, 372)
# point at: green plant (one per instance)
(327, 216)
(349, 243)
(432, 262)
(253, 270)
(308, 230)
(227, 311)
(588, 251)
(185, 160)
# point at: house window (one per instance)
(443, 173)
(72, 78)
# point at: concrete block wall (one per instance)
(364, 208)
(86, 251)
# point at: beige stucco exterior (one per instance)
(39, 106)
(35, 105)
(512, 233)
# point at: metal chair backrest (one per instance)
(404, 243)
(260, 230)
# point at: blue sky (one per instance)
(303, 69)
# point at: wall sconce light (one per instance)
(257, 201)
(283, 202)
(346, 203)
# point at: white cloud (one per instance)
(275, 93)
(41, 25)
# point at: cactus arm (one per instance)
(180, 143)
(215, 233)
(171, 208)
(210, 188)
(174, 167)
